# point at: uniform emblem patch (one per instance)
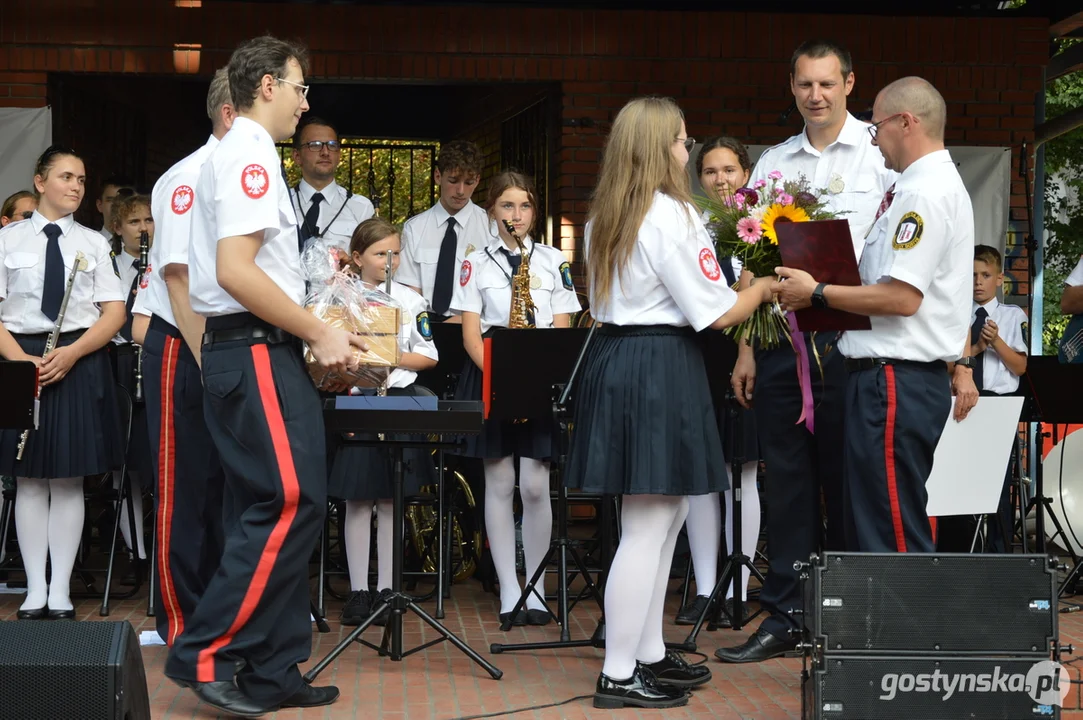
(836, 184)
(566, 276)
(464, 273)
(908, 233)
(145, 280)
(709, 265)
(182, 199)
(1025, 327)
(423, 325)
(254, 181)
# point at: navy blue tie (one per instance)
(445, 270)
(53, 292)
(513, 260)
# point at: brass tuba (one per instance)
(522, 305)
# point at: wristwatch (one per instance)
(967, 362)
(818, 299)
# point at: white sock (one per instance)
(32, 529)
(500, 527)
(704, 525)
(652, 646)
(646, 524)
(384, 538)
(537, 523)
(750, 520)
(137, 506)
(66, 511)
(357, 529)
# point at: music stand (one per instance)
(442, 379)
(348, 418)
(545, 359)
(20, 383)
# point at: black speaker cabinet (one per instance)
(922, 688)
(935, 604)
(71, 671)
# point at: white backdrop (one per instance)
(24, 135)
(986, 172)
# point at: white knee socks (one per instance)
(704, 525)
(49, 522)
(500, 523)
(357, 531)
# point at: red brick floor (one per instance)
(441, 683)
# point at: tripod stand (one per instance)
(398, 601)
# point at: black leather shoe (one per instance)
(358, 607)
(726, 620)
(381, 619)
(224, 696)
(62, 614)
(761, 646)
(674, 671)
(640, 690)
(691, 612)
(35, 614)
(309, 696)
(537, 617)
(519, 619)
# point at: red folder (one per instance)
(825, 250)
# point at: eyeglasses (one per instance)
(688, 142)
(27, 214)
(317, 145)
(875, 127)
(303, 88)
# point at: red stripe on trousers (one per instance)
(167, 464)
(291, 493)
(889, 460)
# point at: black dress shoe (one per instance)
(35, 614)
(384, 596)
(309, 696)
(226, 697)
(761, 646)
(538, 617)
(691, 612)
(726, 621)
(519, 619)
(640, 690)
(358, 607)
(62, 614)
(674, 671)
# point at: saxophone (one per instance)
(522, 305)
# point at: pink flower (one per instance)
(748, 229)
(761, 183)
(785, 199)
(739, 201)
(775, 175)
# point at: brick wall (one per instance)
(728, 70)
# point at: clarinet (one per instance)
(54, 336)
(137, 382)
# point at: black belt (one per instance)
(244, 326)
(637, 330)
(859, 364)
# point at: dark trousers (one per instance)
(895, 415)
(801, 467)
(266, 420)
(188, 479)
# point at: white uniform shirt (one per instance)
(421, 239)
(850, 169)
(672, 277)
(106, 233)
(241, 191)
(171, 203)
(925, 239)
(1075, 278)
(415, 335)
(1011, 321)
(22, 275)
(128, 267)
(484, 285)
(339, 217)
(735, 262)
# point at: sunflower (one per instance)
(781, 213)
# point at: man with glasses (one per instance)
(325, 210)
(834, 154)
(18, 206)
(916, 275)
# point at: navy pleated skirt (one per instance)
(124, 360)
(361, 471)
(78, 425)
(644, 419)
(498, 439)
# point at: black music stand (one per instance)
(454, 418)
(544, 358)
(1053, 390)
(443, 379)
(20, 383)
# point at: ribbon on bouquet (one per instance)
(804, 374)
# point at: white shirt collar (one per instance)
(930, 163)
(307, 191)
(496, 243)
(853, 132)
(245, 125)
(65, 223)
(462, 218)
(990, 307)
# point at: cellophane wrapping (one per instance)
(338, 298)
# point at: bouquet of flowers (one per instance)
(743, 225)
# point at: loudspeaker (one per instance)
(71, 671)
(904, 603)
